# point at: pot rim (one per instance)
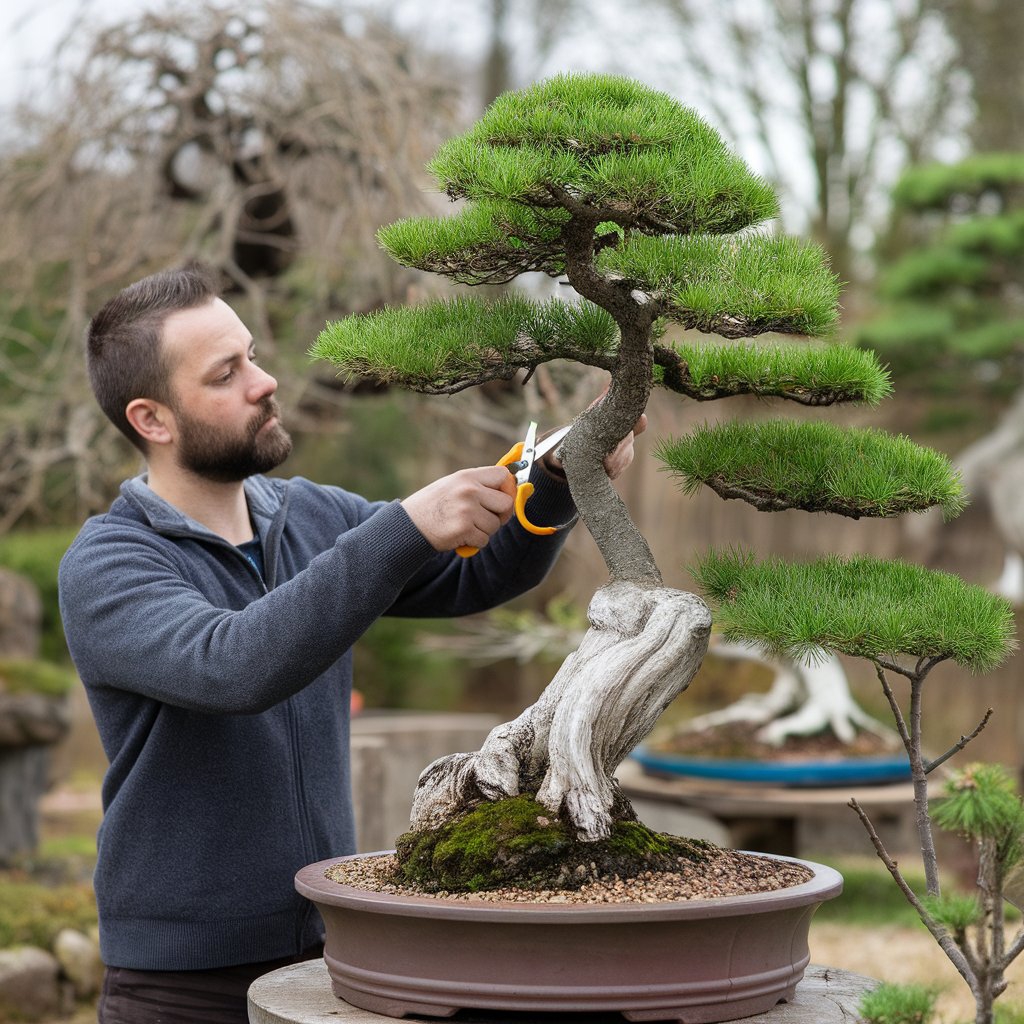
(311, 882)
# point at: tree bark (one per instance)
(643, 647)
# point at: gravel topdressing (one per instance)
(724, 873)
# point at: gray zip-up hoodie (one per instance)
(223, 702)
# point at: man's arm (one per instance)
(139, 614)
(513, 561)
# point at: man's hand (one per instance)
(464, 508)
(619, 460)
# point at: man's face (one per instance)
(227, 423)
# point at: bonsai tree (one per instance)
(637, 203)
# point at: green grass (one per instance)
(818, 467)
(899, 1004)
(861, 606)
(32, 913)
(870, 897)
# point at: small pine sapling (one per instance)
(905, 620)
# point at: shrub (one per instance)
(899, 1004)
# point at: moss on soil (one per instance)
(519, 842)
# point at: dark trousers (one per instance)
(184, 997)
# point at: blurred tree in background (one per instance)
(833, 96)
(953, 324)
(270, 139)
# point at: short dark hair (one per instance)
(124, 353)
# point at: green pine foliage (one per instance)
(952, 300)
(484, 243)
(981, 802)
(638, 155)
(447, 345)
(736, 287)
(819, 374)
(956, 911)
(931, 185)
(861, 606)
(818, 467)
(930, 272)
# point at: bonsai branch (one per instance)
(955, 954)
(959, 745)
(897, 711)
(676, 377)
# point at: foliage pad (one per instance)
(861, 606)
(638, 155)
(814, 374)
(818, 467)
(448, 345)
(735, 287)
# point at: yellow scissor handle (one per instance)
(523, 494)
(514, 454)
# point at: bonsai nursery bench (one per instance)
(793, 821)
(301, 994)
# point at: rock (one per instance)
(24, 775)
(31, 718)
(79, 959)
(29, 984)
(21, 616)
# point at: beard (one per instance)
(230, 459)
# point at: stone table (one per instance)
(301, 994)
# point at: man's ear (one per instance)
(151, 419)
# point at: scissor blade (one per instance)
(551, 441)
(521, 469)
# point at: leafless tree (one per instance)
(830, 98)
(271, 139)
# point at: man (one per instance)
(211, 614)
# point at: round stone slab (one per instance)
(301, 994)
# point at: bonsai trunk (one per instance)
(645, 642)
(642, 649)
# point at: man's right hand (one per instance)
(465, 508)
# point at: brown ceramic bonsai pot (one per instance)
(694, 961)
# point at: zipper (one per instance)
(302, 812)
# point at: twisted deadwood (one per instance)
(643, 647)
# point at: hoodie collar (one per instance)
(266, 497)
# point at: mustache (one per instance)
(268, 408)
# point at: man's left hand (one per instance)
(615, 463)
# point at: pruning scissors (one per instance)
(519, 461)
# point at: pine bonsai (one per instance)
(638, 204)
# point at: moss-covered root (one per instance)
(518, 842)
